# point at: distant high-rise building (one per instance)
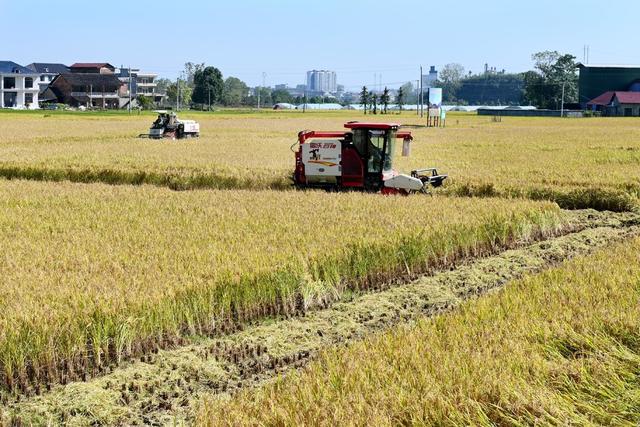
(321, 81)
(429, 80)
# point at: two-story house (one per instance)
(87, 89)
(18, 86)
(141, 84)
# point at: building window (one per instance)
(42, 78)
(9, 83)
(28, 98)
(28, 83)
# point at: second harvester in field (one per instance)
(359, 159)
(168, 125)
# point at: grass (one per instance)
(558, 348)
(95, 274)
(577, 163)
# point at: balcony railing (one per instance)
(96, 94)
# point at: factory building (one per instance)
(596, 80)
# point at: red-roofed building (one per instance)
(617, 103)
(93, 68)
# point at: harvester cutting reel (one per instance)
(429, 178)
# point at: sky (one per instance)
(363, 41)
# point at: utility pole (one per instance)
(178, 94)
(264, 76)
(417, 100)
(562, 102)
(130, 78)
(421, 95)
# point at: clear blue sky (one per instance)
(284, 38)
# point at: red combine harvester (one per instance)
(358, 159)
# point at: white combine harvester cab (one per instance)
(168, 125)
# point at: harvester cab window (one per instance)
(390, 136)
(375, 147)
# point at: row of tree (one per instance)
(202, 86)
(553, 74)
(374, 103)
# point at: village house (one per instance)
(18, 87)
(91, 90)
(92, 68)
(617, 103)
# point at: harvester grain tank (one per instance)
(168, 125)
(359, 159)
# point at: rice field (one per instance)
(102, 262)
(94, 274)
(558, 348)
(577, 162)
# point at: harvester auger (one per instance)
(359, 159)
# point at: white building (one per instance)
(322, 81)
(141, 84)
(18, 86)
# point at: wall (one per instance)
(528, 113)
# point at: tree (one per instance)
(162, 85)
(400, 99)
(374, 102)
(145, 102)
(265, 97)
(208, 86)
(185, 93)
(450, 77)
(190, 70)
(384, 100)
(281, 95)
(364, 98)
(234, 92)
(552, 71)
(536, 91)
(491, 89)
(409, 93)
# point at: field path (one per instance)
(163, 388)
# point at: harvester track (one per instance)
(162, 388)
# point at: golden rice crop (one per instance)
(558, 348)
(94, 273)
(577, 162)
